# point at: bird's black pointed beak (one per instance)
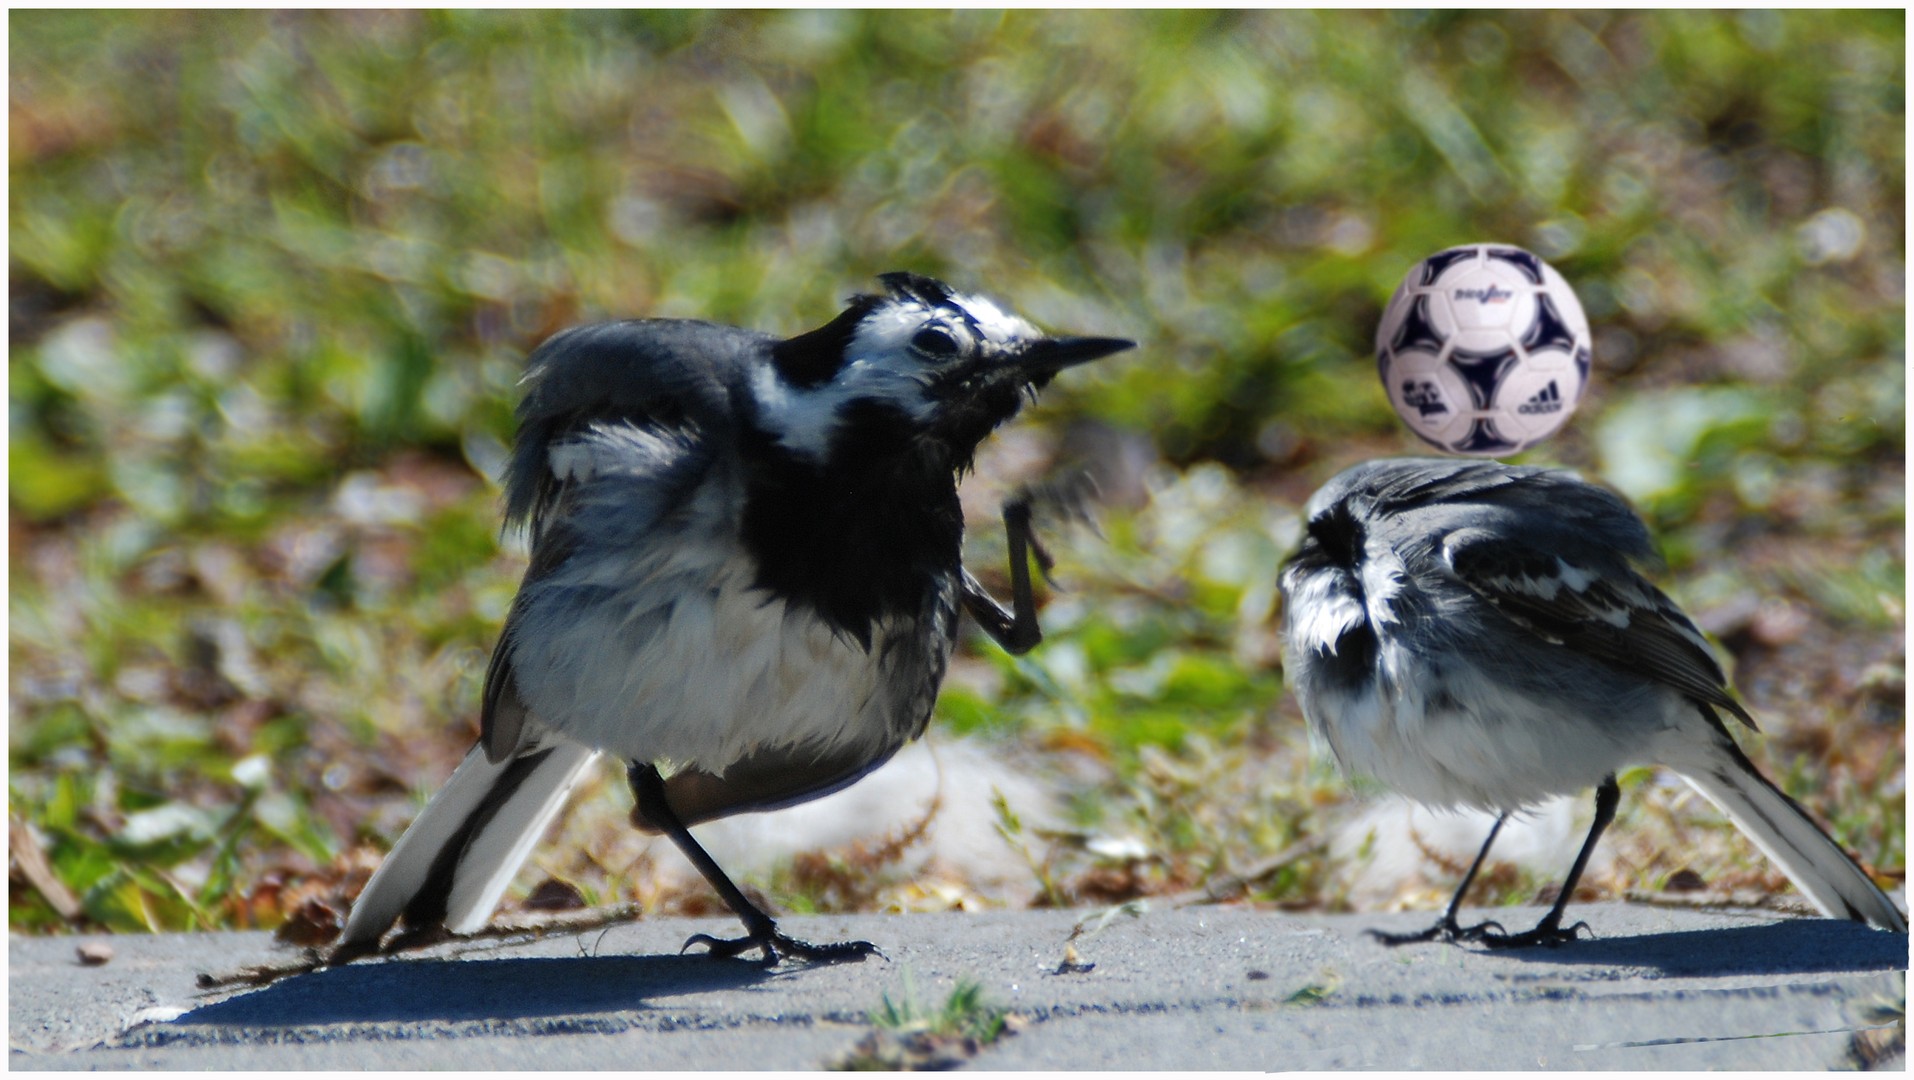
(1047, 356)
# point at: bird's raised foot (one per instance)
(776, 946)
(1073, 498)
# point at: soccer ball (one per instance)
(1483, 350)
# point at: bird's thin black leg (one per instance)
(1016, 630)
(1447, 929)
(1549, 931)
(761, 932)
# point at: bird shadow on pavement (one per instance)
(490, 989)
(1792, 946)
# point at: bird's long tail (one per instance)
(454, 862)
(1784, 832)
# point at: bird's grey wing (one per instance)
(611, 486)
(656, 373)
(1608, 612)
(1553, 508)
(502, 712)
(1393, 485)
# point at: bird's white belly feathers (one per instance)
(1463, 738)
(676, 658)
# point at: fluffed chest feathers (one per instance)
(682, 655)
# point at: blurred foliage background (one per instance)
(272, 277)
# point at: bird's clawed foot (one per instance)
(1549, 933)
(776, 946)
(1489, 934)
(1447, 931)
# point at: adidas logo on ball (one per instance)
(1546, 400)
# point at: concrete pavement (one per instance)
(1191, 988)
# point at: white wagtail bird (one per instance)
(1473, 634)
(744, 581)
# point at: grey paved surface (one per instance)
(1197, 988)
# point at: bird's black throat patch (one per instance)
(869, 535)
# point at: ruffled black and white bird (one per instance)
(1472, 634)
(744, 581)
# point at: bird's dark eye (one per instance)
(935, 342)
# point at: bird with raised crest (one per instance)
(744, 582)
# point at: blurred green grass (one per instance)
(272, 276)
